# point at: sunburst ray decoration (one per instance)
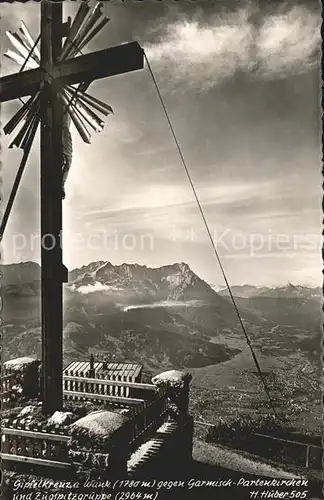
(78, 105)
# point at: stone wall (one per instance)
(26, 371)
(100, 441)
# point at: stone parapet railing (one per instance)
(102, 442)
(114, 439)
(177, 385)
(99, 443)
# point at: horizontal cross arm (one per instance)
(19, 84)
(108, 62)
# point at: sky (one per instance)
(240, 81)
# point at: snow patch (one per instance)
(99, 423)
(164, 427)
(138, 454)
(18, 363)
(59, 417)
(174, 378)
(177, 279)
(28, 410)
(17, 388)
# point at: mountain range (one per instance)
(153, 316)
(162, 317)
(287, 291)
(168, 317)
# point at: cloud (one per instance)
(201, 55)
(118, 129)
(150, 151)
(176, 196)
(287, 43)
(169, 212)
(96, 287)
(210, 53)
(165, 303)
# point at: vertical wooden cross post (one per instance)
(51, 209)
(49, 79)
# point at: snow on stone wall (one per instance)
(173, 378)
(99, 423)
(60, 417)
(20, 364)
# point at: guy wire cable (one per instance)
(210, 236)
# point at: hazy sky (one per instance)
(241, 84)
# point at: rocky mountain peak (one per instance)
(183, 267)
(20, 273)
(290, 286)
(141, 283)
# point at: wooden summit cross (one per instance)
(49, 79)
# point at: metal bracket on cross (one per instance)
(78, 106)
(55, 81)
(81, 107)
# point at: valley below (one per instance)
(168, 318)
